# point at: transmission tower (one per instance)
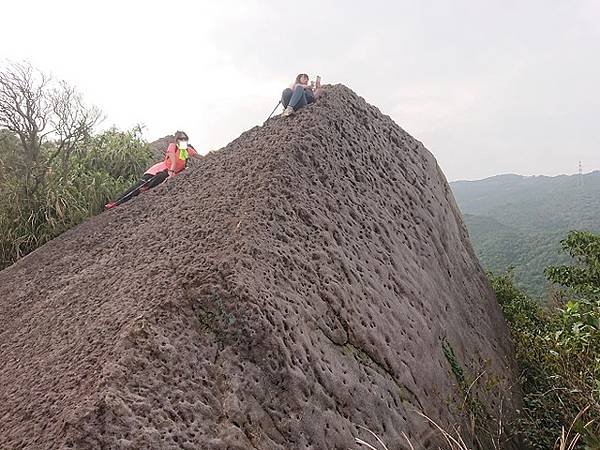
(580, 198)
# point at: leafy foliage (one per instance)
(558, 346)
(97, 170)
(54, 172)
(584, 278)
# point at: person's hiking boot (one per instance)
(110, 205)
(288, 111)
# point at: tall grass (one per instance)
(34, 211)
(567, 440)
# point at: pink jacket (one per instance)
(159, 167)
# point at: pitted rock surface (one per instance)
(293, 285)
(159, 147)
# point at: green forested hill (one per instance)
(519, 221)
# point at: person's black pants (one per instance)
(146, 182)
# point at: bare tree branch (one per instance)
(24, 108)
(72, 121)
(38, 109)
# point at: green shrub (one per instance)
(67, 192)
(558, 347)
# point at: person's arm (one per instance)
(318, 90)
(194, 153)
(304, 86)
(173, 160)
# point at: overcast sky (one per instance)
(488, 86)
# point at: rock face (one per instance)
(300, 282)
(159, 147)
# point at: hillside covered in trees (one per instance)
(518, 221)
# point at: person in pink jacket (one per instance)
(175, 161)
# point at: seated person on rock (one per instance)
(300, 94)
(175, 161)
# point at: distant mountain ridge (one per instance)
(516, 220)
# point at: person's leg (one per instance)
(301, 103)
(157, 179)
(133, 190)
(286, 95)
(297, 97)
(310, 96)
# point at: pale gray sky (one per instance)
(488, 86)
